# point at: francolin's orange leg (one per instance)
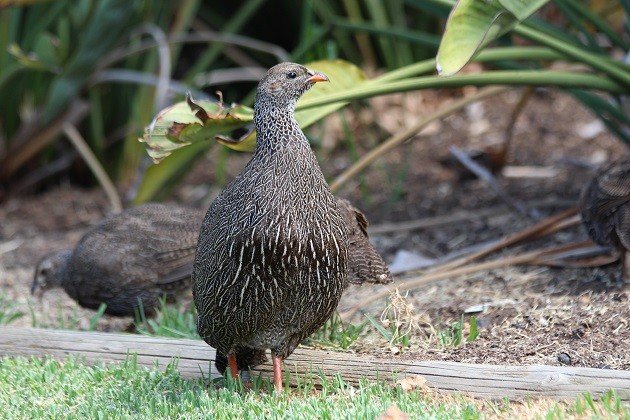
(233, 365)
(277, 372)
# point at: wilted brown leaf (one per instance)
(394, 413)
(411, 383)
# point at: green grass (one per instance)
(8, 310)
(31, 388)
(170, 321)
(180, 322)
(455, 335)
(335, 333)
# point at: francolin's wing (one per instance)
(174, 252)
(605, 205)
(364, 262)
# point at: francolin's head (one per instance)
(50, 272)
(283, 85)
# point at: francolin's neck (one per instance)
(59, 273)
(276, 125)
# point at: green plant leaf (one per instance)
(102, 31)
(192, 121)
(472, 24)
(473, 333)
(46, 50)
(343, 76)
(521, 9)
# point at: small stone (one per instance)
(564, 358)
(591, 129)
(406, 261)
(475, 309)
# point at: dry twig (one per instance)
(531, 257)
(542, 228)
(409, 133)
(95, 166)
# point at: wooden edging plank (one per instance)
(196, 359)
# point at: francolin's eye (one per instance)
(291, 75)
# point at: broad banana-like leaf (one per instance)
(472, 24)
(342, 75)
(191, 121)
(522, 9)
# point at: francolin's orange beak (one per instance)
(317, 77)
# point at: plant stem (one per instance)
(236, 22)
(510, 77)
(408, 133)
(353, 11)
(598, 22)
(95, 166)
(419, 37)
(598, 62)
(490, 54)
(517, 53)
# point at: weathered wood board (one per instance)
(196, 359)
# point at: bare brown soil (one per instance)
(540, 315)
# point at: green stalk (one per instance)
(308, 26)
(327, 15)
(353, 11)
(596, 21)
(517, 53)
(186, 12)
(598, 62)
(397, 17)
(521, 78)
(490, 54)
(379, 16)
(577, 22)
(309, 43)
(419, 37)
(233, 25)
(421, 67)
